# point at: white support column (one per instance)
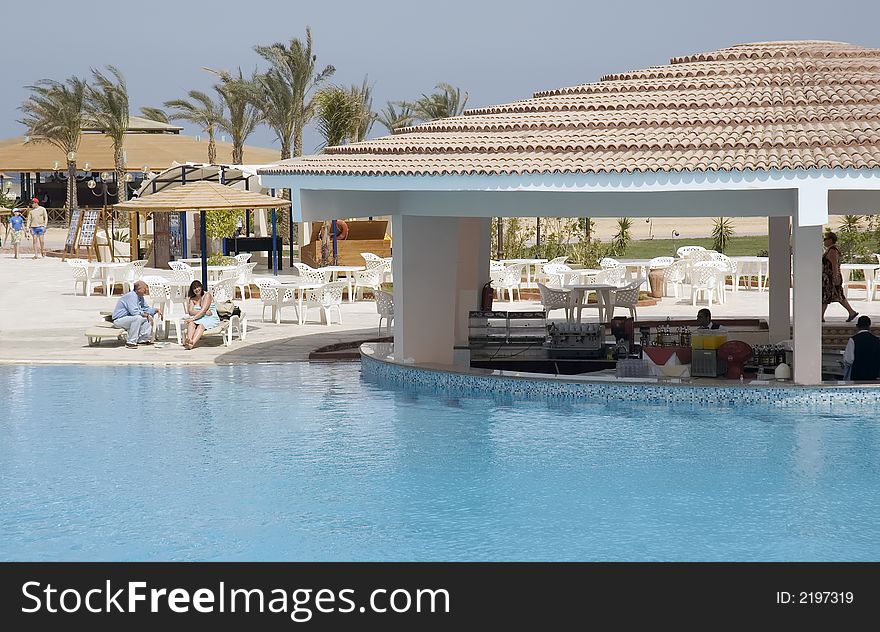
(473, 273)
(812, 214)
(426, 251)
(780, 273)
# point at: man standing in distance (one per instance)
(37, 220)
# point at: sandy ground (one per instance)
(41, 320)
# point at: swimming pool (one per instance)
(310, 462)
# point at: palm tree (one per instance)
(363, 96)
(393, 119)
(442, 104)
(53, 113)
(244, 116)
(201, 110)
(289, 84)
(277, 106)
(155, 114)
(344, 115)
(107, 105)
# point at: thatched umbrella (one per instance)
(206, 196)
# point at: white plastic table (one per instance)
(640, 267)
(760, 265)
(604, 293)
(106, 271)
(528, 264)
(870, 271)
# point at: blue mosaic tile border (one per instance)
(392, 375)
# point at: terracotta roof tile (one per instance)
(771, 105)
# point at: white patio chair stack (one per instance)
(370, 278)
(705, 282)
(81, 274)
(181, 271)
(326, 298)
(628, 297)
(509, 281)
(558, 274)
(675, 275)
(385, 308)
(274, 296)
(310, 274)
(557, 298)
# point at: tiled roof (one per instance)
(770, 105)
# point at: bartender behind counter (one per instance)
(704, 320)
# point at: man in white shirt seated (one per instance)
(861, 358)
(133, 313)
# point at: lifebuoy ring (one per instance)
(341, 229)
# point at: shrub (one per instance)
(722, 231)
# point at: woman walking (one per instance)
(832, 279)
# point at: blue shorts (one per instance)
(38, 230)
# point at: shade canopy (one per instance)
(202, 196)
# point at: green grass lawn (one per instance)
(649, 248)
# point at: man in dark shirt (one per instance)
(704, 320)
(862, 353)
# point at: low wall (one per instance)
(379, 366)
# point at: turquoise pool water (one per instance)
(309, 462)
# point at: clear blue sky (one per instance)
(496, 51)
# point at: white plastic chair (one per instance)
(705, 282)
(611, 276)
(675, 276)
(243, 257)
(372, 260)
(541, 269)
(326, 298)
(370, 278)
(80, 269)
(628, 297)
(661, 262)
(557, 298)
(557, 274)
(274, 296)
(135, 272)
(385, 308)
(509, 280)
(685, 251)
(181, 271)
(310, 274)
(161, 294)
(608, 262)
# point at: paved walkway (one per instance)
(41, 320)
